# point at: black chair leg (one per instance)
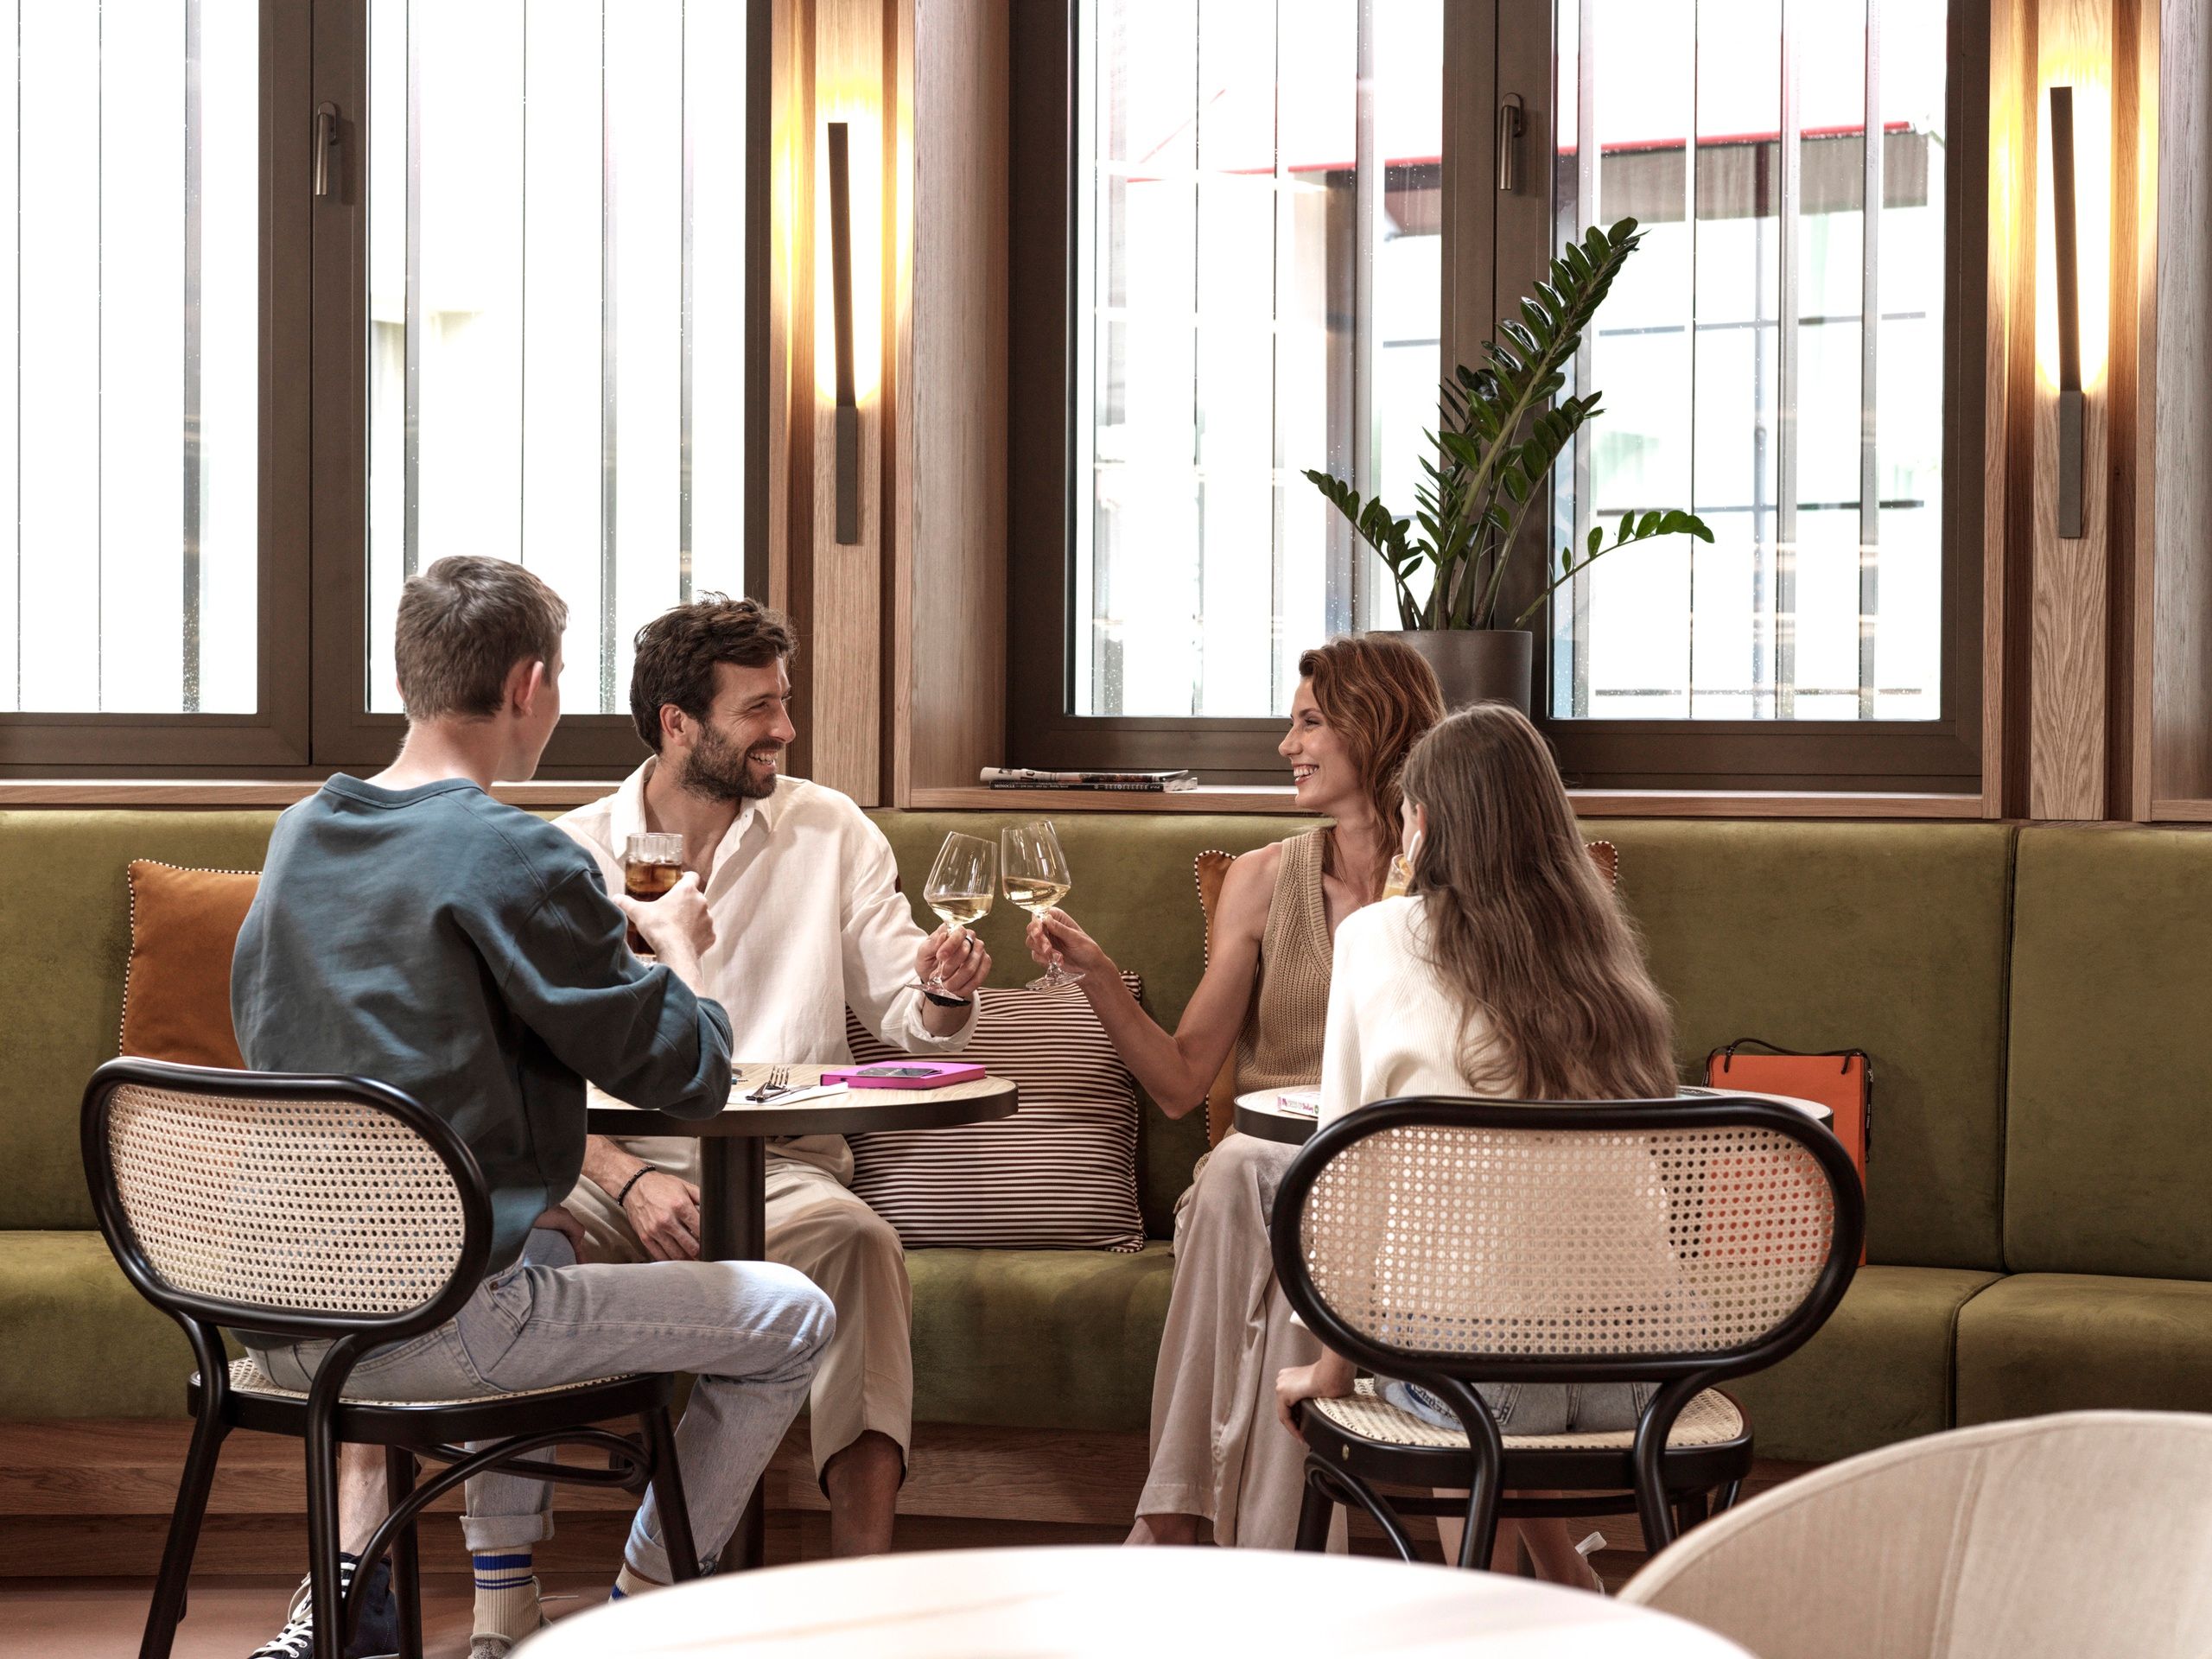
(163, 1617)
(330, 1608)
(406, 1565)
(1729, 1494)
(1315, 1511)
(668, 1496)
(1689, 1509)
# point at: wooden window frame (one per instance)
(1494, 246)
(313, 716)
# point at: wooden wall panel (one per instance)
(949, 658)
(2180, 760)
(790, 332)
(2069, 618)
(2008, 347)
(2134, 404)
(845, 712)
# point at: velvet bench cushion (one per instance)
(2108, 1139)
(1879, 1371)
(2042, 1341)
(1006, 1338)
(1067, 1339)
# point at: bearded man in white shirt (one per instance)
(809, 921)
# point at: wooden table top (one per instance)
(856, 1111)
(1105, 1603)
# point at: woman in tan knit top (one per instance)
(1217, 1454)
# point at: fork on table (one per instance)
(779, 1083)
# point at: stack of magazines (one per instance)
(1028, 777)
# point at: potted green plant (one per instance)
(1484, 478)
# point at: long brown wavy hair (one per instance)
(1522, 928)
(1379, 696)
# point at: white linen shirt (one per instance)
(809, 920)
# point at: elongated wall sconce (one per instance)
(2064, 236)
(841, 279)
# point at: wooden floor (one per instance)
(232, 1615)
(84, 1507)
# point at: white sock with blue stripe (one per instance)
(506, 1593)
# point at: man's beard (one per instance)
(719, 770)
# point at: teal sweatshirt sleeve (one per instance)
(637, 1031)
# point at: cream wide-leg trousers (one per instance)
(864, 1378)
(1217, 1450)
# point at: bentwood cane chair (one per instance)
(1451, 1242)
(337, 1208)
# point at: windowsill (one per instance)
(1588, 803)
(563, 794)
(246, 793)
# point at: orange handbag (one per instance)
(1840, 1079)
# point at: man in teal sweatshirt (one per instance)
(412, 929)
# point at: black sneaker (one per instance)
(378, 1636)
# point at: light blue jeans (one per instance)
(1536, 1407)
(750, 1331)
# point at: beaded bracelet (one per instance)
(622, 1197)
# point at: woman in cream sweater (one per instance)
(1507, 969)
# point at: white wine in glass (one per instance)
(1034, 872)
(960, 888)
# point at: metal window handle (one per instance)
(1510, 123)
(325, 140)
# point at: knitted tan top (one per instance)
(1280, 1044)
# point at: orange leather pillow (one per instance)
(176, 992)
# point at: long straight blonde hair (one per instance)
(1556, 1002)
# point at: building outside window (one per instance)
(1257, 276)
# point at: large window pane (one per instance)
(557, 205)
(1227, 256)
(1741, 376)
(128, 385)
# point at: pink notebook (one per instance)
(906, 1074)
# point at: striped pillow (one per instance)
(1061, 1173)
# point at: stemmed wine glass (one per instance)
(960, 888)
(1035, 876)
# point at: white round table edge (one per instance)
(1099, 1602)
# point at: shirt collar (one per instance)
(627, 815)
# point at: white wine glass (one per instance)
(1034, 872)
(961, 887)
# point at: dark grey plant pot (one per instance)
(1475, 664)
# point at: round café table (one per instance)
(1258, 1114)
(734, 1166)
(1104, 1602)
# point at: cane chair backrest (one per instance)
(321, 1202)
(1498, 1239)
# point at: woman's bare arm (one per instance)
(1177, 1070)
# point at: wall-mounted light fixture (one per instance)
(2065, 239)
(840, 278)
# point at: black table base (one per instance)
(733, 1227)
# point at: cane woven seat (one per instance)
(1711, 1419)
(323, 1203)
(248, 1377)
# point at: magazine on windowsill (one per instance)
(1030, 777)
